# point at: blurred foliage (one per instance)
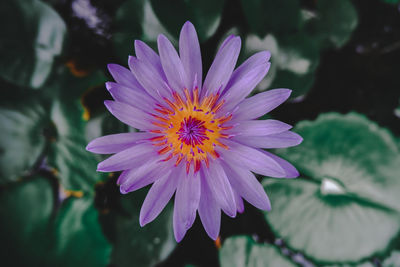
(56, 210)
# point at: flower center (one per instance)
(189, 129)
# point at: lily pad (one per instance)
(335, 21)
(22, 140)
(345, 208)
(143, 246)
(73, 164)
(266, 16)
(30, 43)
(79, 240)
(25, 212)
(243, 251)
(204, 14)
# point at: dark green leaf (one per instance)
(243, 251)
(32, 35)
(347, 208)
(25, 212)
(336, 20)
(76, 166)
(140, 246)
(281, 17)
(79, 240)
(22, 119)
(204, 14)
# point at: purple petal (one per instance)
(252, 159)
(129, 115)
(145, 53)
(247, 186)
(222, 67)
(187, 198)
(220, 187)
(239, 202)
(138, 99)
(290, 170)
(148, 77)
(157, 197)
(142, 175)
(280, 140)
(259, 128)
(128, 158)
(115, 143)
(209, 211)
(258, 105)
(123, 76)
(189, 51)
(172, 65)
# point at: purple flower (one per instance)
(198, 140)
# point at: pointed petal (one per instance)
(260, 104)
(145, 53)
(157, 197)
(115, 143)
(247, 186)
(220, 187)
(136, 98)
(252, 159)
(129, 115)
(209, 211)
(128, 158)
(123, 76)
(189, 51)
(259, 128)
(290, 170)
(148, 77)
(172, 65)
(187, 199)
(239, 202)
(222, 67)
(280, 140)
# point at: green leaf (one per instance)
(335, 22)
(346, 208)
(29, 44)
(141, 246)
(243, 251)
(204, 14)
(75, 166)
(22, 140)
(25, 211)
(79, 240)
(280, 17)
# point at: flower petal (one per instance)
(123, 76)
(145, 53)
(148, 77)
(128, 158)
(239, 202)
(280, 140)
(247, 186)
(259, 128)
(220, 187)
(252, 159)
(260, 104)
(290, 170)
(209, 211)
(172, 65)
(135, 98)
(187, 198)
(130, 115)
(157, 197)
(189, 51)
(222, 66)
(115, 143)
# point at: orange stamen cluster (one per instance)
(190, 129)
